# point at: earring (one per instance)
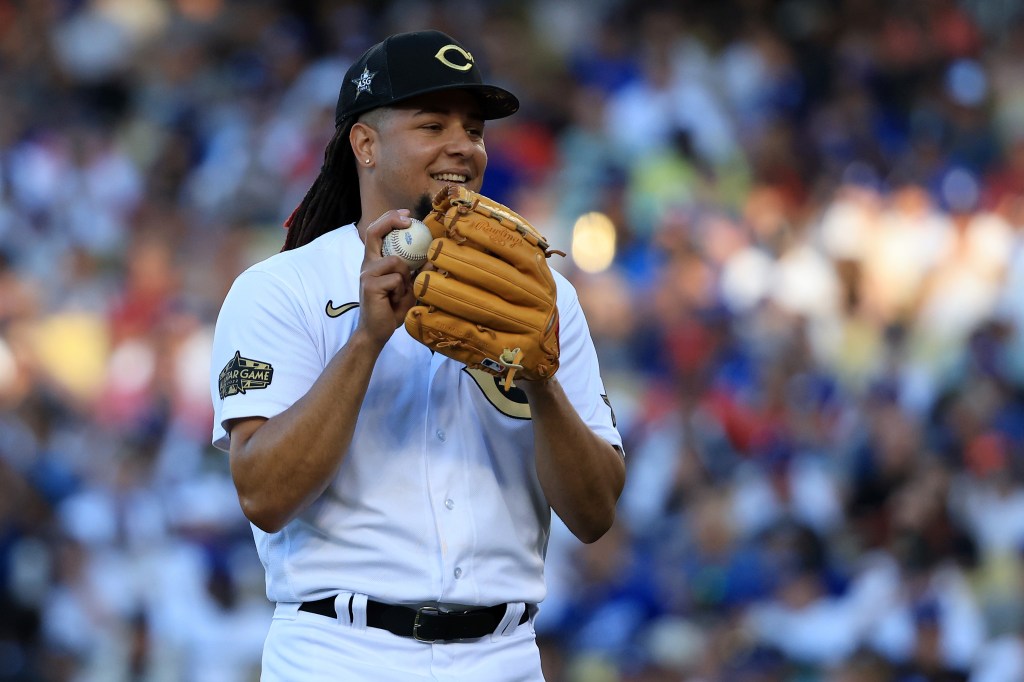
(367, 161)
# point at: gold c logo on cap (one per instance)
(442, 56)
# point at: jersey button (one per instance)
(449, 503)
(440, 435)
(458, 573)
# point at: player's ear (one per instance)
(363, 139)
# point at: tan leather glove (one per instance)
(490, 301)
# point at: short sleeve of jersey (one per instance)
(264, 354)
(579, 371)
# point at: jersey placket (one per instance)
(447, 482)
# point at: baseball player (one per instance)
(400, 492)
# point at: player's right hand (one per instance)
(385, 282)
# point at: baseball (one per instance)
(410, 244)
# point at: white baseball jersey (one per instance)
(437, 499)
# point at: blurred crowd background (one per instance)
(812, 328)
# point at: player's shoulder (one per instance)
(564, 288)
(325, 266)
(336, 247)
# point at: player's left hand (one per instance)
(489, 298)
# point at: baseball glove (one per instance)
(490, 301)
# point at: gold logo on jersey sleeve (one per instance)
(604, 397)
(243, 374)
(442, 56)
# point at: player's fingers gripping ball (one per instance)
(490, 302)
(410, 244)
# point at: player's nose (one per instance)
(459, 142)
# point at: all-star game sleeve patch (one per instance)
(244, 374)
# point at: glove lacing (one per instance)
(509, 359)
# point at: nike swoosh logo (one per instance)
(340, 310)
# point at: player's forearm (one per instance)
(581, 474)
(288, 462)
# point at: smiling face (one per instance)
(416, 148)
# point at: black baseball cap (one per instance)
(409, 64)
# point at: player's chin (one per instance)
(423, 206)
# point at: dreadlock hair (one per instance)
(333, 198)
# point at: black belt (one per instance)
(426, 624)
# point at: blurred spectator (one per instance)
(812, 328)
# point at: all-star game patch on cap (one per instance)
(409, 64)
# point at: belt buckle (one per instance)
(416, 623)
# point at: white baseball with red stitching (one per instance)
(410, 244)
